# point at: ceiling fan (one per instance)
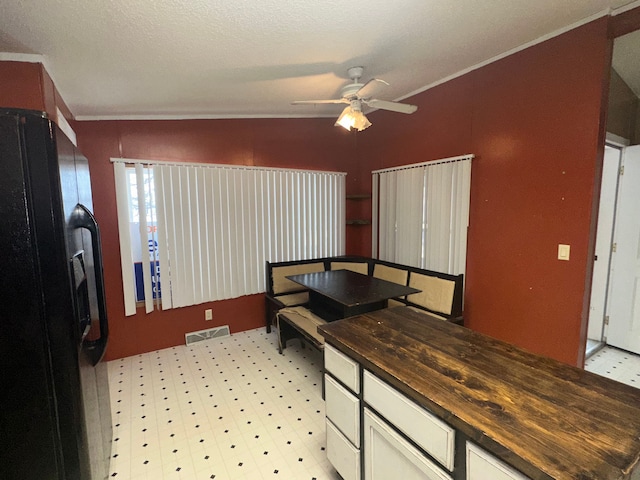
(355, 95)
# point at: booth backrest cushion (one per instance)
(358, 267)
(436, 294)
(294, 299)
(390, 274)
(281, 284)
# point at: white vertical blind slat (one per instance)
(196, 245)
(272, 252)
(438, 218)
(340, 198)
(322, 215)
(409, 205)
(280, 218)
(163, 244)
(183, 263)
(203, 216)
(388, 216)
(462, 186)
(236, 236)
(141, 179)
(126, 253)
(184, 237)
(172, 234)
(209, 272)
(249, 233)
(383, 217)
(262, 244)
(375, 182)
(215, 242)
(262, 221)
(291, 207)
(226, 249)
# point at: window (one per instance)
(208, 229)
(421, 214)
(147, 207)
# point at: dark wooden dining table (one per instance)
(336, 294)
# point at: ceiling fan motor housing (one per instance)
(349, 91)
(355, 73)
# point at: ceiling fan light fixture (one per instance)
(356, 94)
(352, 118)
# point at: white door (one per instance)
(624, 302)
(604, 237)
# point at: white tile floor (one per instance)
(233, 408)
(615, 364)
(230, 408)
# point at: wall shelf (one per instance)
(358, 196)
(358, 222)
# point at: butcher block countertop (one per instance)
(547, 419)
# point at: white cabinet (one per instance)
(387, 455)
(342, 367)
(429, 432)
(484, 466)
(390, 436)
(343, 409)
(344, 457)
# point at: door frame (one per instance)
(618, 143)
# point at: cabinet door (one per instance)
(342, 367)
(343, 409)
(428, 432)
(387, 455)
(482, 465)
(344, 457)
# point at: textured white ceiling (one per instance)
(229, 58)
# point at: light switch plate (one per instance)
(563, 251)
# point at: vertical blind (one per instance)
(421, 214)
(217, 225)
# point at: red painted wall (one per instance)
(21, 86)
(310, 143)
(29, 86)
(533, 121)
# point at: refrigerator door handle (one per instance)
(83, 218)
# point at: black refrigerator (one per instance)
(55, 416)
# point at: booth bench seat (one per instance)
(286, 301)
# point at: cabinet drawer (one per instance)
(387, 455)
(429, 432)
(344, 457)
(342, 367)
(343, 409)
(482, 465)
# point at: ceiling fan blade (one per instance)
(368, 88)
(392, 106)
(313, 102)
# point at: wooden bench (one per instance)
(441, 294)
(299, 322)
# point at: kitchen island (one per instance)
(464, 405)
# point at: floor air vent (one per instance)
(199, 336)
